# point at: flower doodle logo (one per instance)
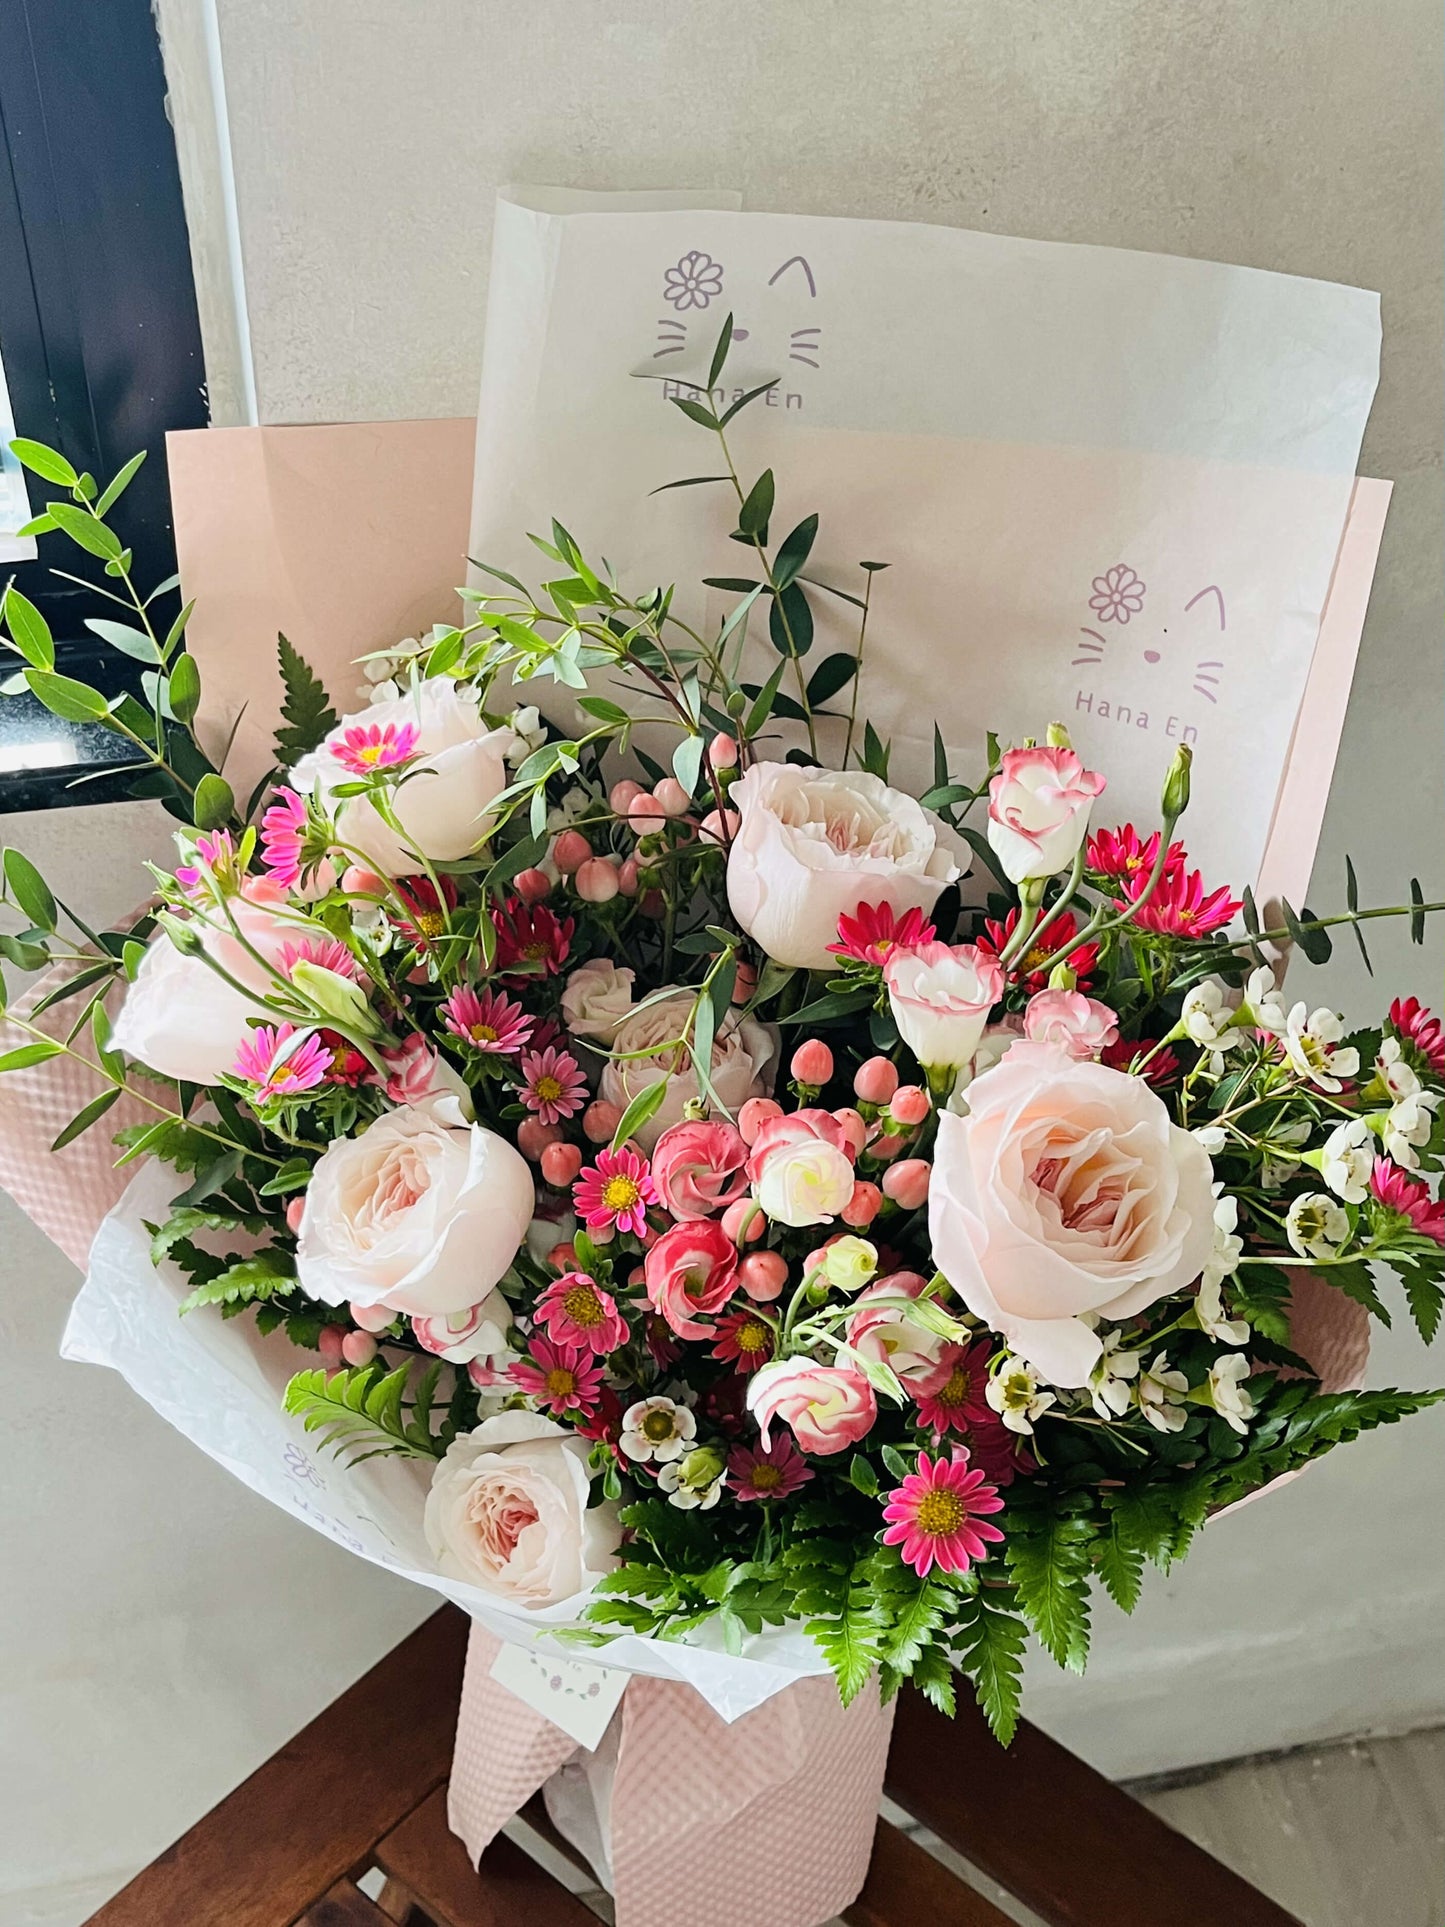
(770, 317)
(1177, 668)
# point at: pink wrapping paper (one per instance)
(699, 1807)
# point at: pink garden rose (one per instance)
(885, 1334)
(1065, 1190)
(827, 1408)
(690, 1273)
(940, 995)
(698, 1169)
(1038, 810)
(801, 1167)
(1078, 1024)
(744, 1062)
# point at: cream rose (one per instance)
(508, 1513)
(940, 996)
(598, 998)
(743, 1062)
(442, 806)
(1065, 1190)
(813, 844)
(419, 1212)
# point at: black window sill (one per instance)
(47, 764)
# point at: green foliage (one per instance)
(306, 707)
(187, 1220)
(851, 1636)
(1299, 1426)
(363, 1411)
(989, 1643)
(169, 1140)
(1049, 1559)
(243, 1283)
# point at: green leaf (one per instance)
(119, 483)
(358, 1411)
(790, 621)
(687, 762)
(83, 1119)
(84, 530)
(246, 1283)
(25, 1055)
(29, 890)
(990, 1644)
(25, 956)
(187, 1220)
(71, 701)
(643, 1107)
(185, 688)
(169, 1140)
(794, 550)
(72, 987)
(214, 802)
(306, 710)
(767, 696)
(1352, 903)
(940, 759)
(120, 635)
(720, 352)
(176, 631)
(48, 463)
(1316, 944)
(851, 1639)
(934, 1678)
(694, 411)
(832, 674)
(291, 1177)
(1121, 1567)
(915, 1620)
(757, 507)
(29, 630)
(1417, 913)
(862, 1475)
(689, 481)
(743, 400)
(1049, 1562)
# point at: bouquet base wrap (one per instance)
(768, 1819)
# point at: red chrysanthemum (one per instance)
(873, 932)
(1121, 853)
(1179, 907)
(531, 941)
(1028, 968)
(1124, 1053)
(744, 1340)
(426, 912)
(557, 1377)
(951, 1397)
(767, 1472)
(578, 1312)
(614, 1192)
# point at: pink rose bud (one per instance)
(755, 1114)
(627, 877)
(876, 1080)
(532, 885)
(637, 1277)
(744, 1221)
(570, 851)
(812, 1062)
(762, 1275)
(600, 1120)
(909, 1104)
(563, 1257)
(720, 826)
(596, 880)
(723, 751)
(645, 815)
(864, 1205)
(745, 983)
(357, 882)
(358, 1348)
(907, 1182)
(371, 1318)
(293, 1214)
(672, 796)
(855, 1131)
(533, 1137)
(620, 796)
(561, 1163)
(330, 1341)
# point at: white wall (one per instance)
(168, 1629)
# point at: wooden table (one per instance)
(363, 1787)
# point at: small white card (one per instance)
(574, 1694)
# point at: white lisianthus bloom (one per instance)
(1310, 1040)
(1347, 1159)
(1408, 1126)
(1016, 1395)
(1263, 1005)
(1109, 1382)
(849, 1263)
(1316, 1226)
(1228, 1393)
(805, 1183)
(655, 1430)
(940, 996)
(1161, 1394)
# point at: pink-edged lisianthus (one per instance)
(950, 1397)
(553, 1086)
(873, 932)
(766, 1472)
(881, 1330)
(1408, 1198)
(415, 1074)
(559, 1378)
(743, 1340)
(1038, 810)
(827, 1408)
(1078, 1024)
(488, 1020)
(1066, 1189)
(812, 844)
(614, 1192)
(937, 1516)
(280, 1063)
(699, 1168)
(1179, 906)
(940, 995)
(801, 1167)
(690, 1274)
(576, 1311)
(479, 1332)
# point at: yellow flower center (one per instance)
(581, 1306)
(752, 1337)
(369, 753)
(956, 1390)
(429, 922)
(561, 1382)
(484, 1034)
(620, 1193)
(549, 1089)
(657, 1426)
(940, 1512)
(766, 1478)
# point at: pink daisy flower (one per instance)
(283, 837)
(366, 747)
(487, 1020)
(745, 1339)
(330, 953)
(553, 1086)
(1410, 1197)
(1178, 906)
(557, 1378)
(935, 1516)
(531, 939)
(615, 1192)
(1121, 853)
(951, 1397)
(579, 1314)
(280, 1066)
(1413, 1024)
(772, 1472)
(873, 932)
(1029, 966)
(216, 860)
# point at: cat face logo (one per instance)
(1117, 600)
(696, 281)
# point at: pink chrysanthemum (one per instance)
(1123, 1054)
(530, 939)
(772, 1472)
(487, 1020)
(1413, 1024)
(1122, 853)
(557, 1378)
(951, 1397)
(1410, 1197)
(615, 1192)
(1178, 906)
(1028, 967)
(347, 1065)
(330, 953)
(367, 747)
(578, 1313)
(743, 1338)
(873, 932)
(278, 1066)
(934, 1516)
(553, 1086)
(283, 837)
(216, 862)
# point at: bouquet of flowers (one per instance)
(754, 1196)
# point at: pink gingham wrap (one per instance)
(767, 1821)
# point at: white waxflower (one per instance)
(1015, 1394)
(1316, 1226)
(1275, 1172)
(385, 691)
(1264, 1004)
(1161, 1393)
(1228, 1249)
(1109, 1386)
(1394, 1073)
(1209, 1310)
(529, 730)
(1408, 1126)
(1227, 1391)
(1310, 1038)
(657, 1429)
(1347, 1160)
(695, 1483)
(1213, 1137)
(1208, 1018)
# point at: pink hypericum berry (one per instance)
(561, 1163)
(563, 1257)
(293, 1214)
(570, 851)
(371, 1318)
(762, 1275)
(854, 1129)
(357, 882)
(596, 880)
(627, 877)
(812, 1063)
(653, 904)
(533, 1137)
(645, 815)
(907, 1183)
(745, 1221)
(723, 751)
(532, 885)
(745, 983)
(672, 796)
(600, 1120)
(620, 796)
(358, 1348)
(876, 1080)
(864, 1205)
(884, 1145)
(754, 1115)
(330, 1341)
(908, 1104)
(720, 826)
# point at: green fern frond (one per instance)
(361, 1411)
